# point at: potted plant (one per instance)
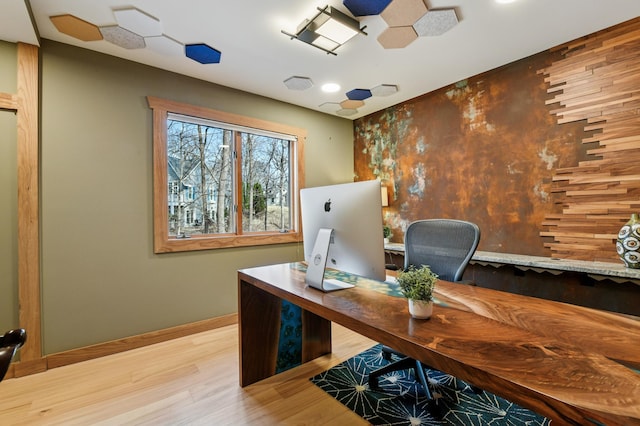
(417, 284)
(386, 233)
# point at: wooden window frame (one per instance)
(162, 243)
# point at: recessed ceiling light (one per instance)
(505, 1)
(330, 87)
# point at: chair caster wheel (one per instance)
(435, 410)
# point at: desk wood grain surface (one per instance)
(572, 364)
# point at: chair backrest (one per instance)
(446, 245)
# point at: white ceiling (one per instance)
(257, 57)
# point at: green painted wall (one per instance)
(8, 195)
(101, 280)
(8, 67)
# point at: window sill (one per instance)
(172, 245)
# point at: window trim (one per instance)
(162, 243)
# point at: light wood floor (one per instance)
(188, 381)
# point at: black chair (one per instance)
(9, 345)
(446, 246)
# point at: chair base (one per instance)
(405, 363)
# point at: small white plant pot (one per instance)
(420, 309)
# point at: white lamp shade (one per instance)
(385, 196)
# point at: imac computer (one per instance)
(342, 229)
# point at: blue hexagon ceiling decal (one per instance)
(203, 53)
(366, 7)
(359, 94)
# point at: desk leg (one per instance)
(259, 317)
(259, 328)
(316, 336)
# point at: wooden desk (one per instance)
(569, 363)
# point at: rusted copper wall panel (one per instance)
(484, 149)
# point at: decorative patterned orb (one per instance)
(624, 232)
(632, 257)
(628, 243)
(631, 243)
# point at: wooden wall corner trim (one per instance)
(28, 122)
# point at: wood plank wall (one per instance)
(598, 82)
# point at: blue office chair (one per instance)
(10, 342)
(446, 246)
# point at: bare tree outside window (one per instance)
(198, 164)
(266, 183)
(222, 180)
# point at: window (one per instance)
(223, 180)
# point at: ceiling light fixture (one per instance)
(328, 30)
(330, 87)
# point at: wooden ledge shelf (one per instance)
(597, 270)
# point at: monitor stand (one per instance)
(318, 263)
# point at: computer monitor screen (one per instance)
(352, 212)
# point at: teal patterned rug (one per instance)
(401, 401)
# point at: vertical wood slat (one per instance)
(595, 82)
(28, 206)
